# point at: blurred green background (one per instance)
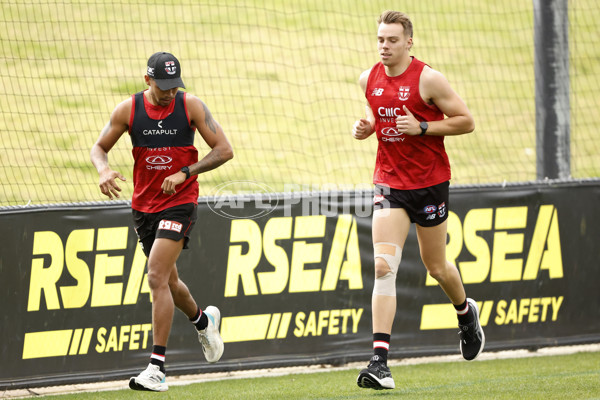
(281, 77)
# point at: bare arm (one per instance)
(364, 127)
(110, 134)
(212, 133)
(435, 89)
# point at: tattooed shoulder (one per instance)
(209, 120)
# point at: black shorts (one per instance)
(425, 207)
(172, 223)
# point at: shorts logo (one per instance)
(442, 210)
(430, 209)
(403, 92)
(430, 217)
(170, 226)
(378, 198)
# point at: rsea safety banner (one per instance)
(293, 277)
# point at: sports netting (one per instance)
(280, 76)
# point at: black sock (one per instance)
(158, 357)
(200, 320)
(463, 312)
(381, 345)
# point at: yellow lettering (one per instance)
(299, 330)
(545, 251)
(76, 296)
(356, 314)
(556, 303)
(101, 341)
(504, 269)
(112, 342)
(302, 280)
(323, 321)
(546, 301)
(511, 314)
(44, 279)
(476, 220)
(533, 310)
(311, 325)
(333, 328)
(134, 337)
(146, 328)
(523, 309)
(138, 279)
(274, 282)
(109, 294)
(123, 336)
(241, 266)
(346, 314)
(351, 268)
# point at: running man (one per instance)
(162, 121)
(411, 107)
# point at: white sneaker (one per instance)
(212, 344)
(151, 379)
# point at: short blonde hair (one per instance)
(397, 17)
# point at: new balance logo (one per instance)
(377, 92)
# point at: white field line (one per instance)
(271, 372)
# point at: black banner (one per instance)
(292, 276)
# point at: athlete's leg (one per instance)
(390, 227)
(181, 295)
(161, 264)
(432, 244)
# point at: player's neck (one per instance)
(150, 99)
(399, 68)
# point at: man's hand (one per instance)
(168, 185)
(362, 129)
(108, 185)
(408, 124)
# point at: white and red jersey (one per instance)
(163, 143)
(404, 162)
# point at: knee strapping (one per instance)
(391, 253)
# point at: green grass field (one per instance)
(575, 376)
(281, 78)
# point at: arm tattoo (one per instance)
(208, 119)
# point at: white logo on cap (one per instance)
(150, 71)
(170, 67)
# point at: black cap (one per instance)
(165, 69)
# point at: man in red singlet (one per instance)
(161, 122)
(410, 107)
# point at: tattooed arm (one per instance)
(110, 134)
(213, 135)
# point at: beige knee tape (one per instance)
(392, 254)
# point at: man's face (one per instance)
(160, 97)
(392, 44)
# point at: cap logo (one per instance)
(150, 71)
(170, 67)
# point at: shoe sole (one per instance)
(136, 386)
(366, 380)
(473, 303)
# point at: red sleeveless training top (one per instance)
(163, 143)
(404, 162)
